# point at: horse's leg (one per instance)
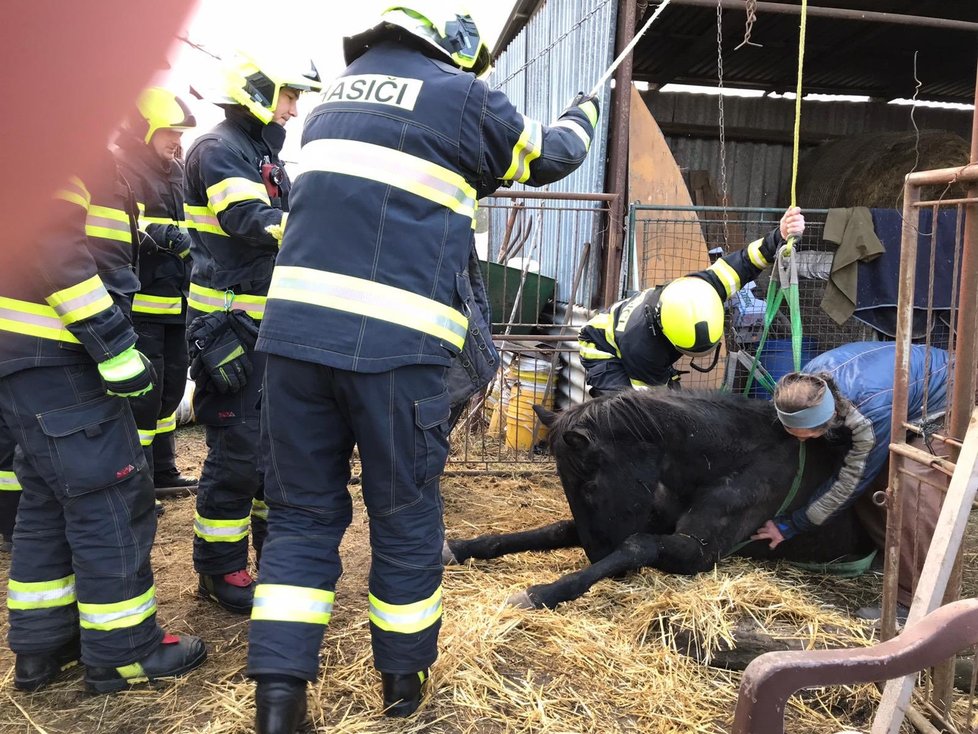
(561, 534)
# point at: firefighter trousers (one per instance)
(312, 417)
(85, 524)
(165, 345)
(10, 489)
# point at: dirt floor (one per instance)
(600, 664)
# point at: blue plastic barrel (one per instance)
(778, 361)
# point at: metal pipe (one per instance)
(569, 196)
(940, 437)
(901, 379)
(617, 172)
(964, 174)
(963, 391)
(922, 457)
(919, 21)
(946, 202)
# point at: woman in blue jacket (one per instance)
(847, 395)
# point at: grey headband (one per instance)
(813, 417)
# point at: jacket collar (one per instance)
(143, 153)
(272, 135)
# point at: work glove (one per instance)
(587, 104)
(218, 353)
(177, 240)
(127, 375)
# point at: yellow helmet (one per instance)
(160, 109)
(256, 85)
(441, 24)
(691, 315)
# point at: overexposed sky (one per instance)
(289, 28)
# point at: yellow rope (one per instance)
(797, 136)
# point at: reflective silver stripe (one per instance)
(366, 298)
(65, 308)
(24, 599)
(393, 167)
(9, 482)
(107, 618)
(578, 129)
(22, 317)
(282, 603)
(404, 622)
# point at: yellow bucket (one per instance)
(520, 418)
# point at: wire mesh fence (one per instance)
(538, 258)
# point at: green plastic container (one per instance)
(503, 283)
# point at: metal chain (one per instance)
(751, 7)
(560, 38)
(723, 141)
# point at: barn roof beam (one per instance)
(841, 14)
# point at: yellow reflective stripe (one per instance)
(203, 220)
(406, 618)
(157, 305)
(527, 149)
(146, 437)
(80, 301)
(366, 298)
(41, 594)
(9, 482)
(231, 190)
(283, 603)
(220, 531)
(208, 300)
(120, 614)
(392, 167)
(590, 350)
(33, 319)
(75, 192)
(578, 129)
(108, 223)
(167, 425)
(756, 255)
(638, 383)
(591, 110)
(727, 275)
(605, 322)
(259, 509)
(133, 673)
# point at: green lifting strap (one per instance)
(787, 276)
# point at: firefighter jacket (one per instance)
(863, 373)
(163, 261)
(229, 209)
(624, 346)
(373, 273)
(65, 299)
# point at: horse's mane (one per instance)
(649, 415)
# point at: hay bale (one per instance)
(869, 169)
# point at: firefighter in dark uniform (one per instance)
(368, 306)
(10, 489)
(80, 577)
(636, 342)
(146, 156)
(235, 198)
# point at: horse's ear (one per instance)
(547, 417)
(577, 439)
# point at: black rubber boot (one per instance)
(402, 692)
(280, 703)
(171, 479)
(233, 591)
(173, 657)
(36, 670)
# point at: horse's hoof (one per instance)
(447, 557)
(521, 601)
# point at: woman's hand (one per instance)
(769, 531)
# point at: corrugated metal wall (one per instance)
(759, 174)
(542, 90)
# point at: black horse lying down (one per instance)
(675, 481)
